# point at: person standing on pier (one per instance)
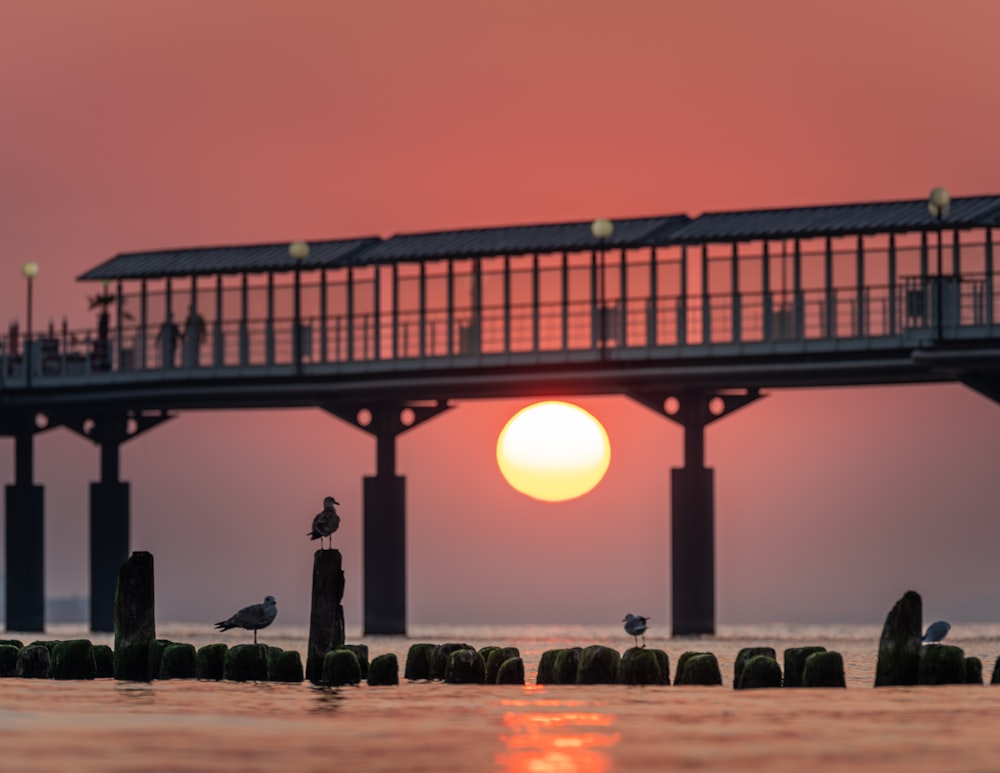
(167, 338)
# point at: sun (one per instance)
(553, 451)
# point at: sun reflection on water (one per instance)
(572, 740)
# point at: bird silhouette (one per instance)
(252, 618)
(936, 631)
(326, 522)
(635, 626)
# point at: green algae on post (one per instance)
(496, 657)
(511, 671)
(598, 665)
(640, 665)
(795, 663)
(177, 661)
(210, 662)
(73, 659)
(246, 663)
(941, 664)
(104, 660)
(383, 670)
(341, 667)
(744, 656)
(824, 669)
(419, 660)
(286, 666)
(465, 667)
(8, 659)
(33, 662)
(758, 672)
(698, 668)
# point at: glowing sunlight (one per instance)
(553, 451)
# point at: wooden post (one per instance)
(326, 618)
(135, 619)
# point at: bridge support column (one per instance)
(385, 510)
(109, 507)
(25, 536)
(693, 503)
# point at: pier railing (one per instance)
(919, 310)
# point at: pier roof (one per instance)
(787, 223)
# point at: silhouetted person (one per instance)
(194, 337)
(168, 337)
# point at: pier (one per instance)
(693, 317)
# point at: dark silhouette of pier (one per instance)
(692, 317)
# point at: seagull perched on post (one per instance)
(635, 625)
(326, 522)
(252, 618)
(936, 632)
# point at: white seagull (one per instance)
(252, 618)
(635, 625)
(326, 522)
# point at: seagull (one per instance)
(253, 617)
(635, 625)
(936, 631)
(326, 522)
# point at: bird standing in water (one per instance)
(635, 625)
(252, 618)
(326, 522)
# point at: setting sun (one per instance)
(553, 451)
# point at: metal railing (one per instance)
(917, 307)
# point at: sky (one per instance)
(179, 123)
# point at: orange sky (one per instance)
(132, 126)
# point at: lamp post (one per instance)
(298, 251)
(602, 229)
(29, 271)
(938, 204)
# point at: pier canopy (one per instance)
(629, 233)
(438, 245)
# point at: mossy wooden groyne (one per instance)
(640, 665)
(210, 662)
(496, 657)
(8, 659)
(33, 662)
(511, 671)
(419, 660)
(759, 671)
(744, 656)
(383, 670)
(135, 624)
(465, 666)
(73, 660)
(177, 661)
(698, 668)
(326, 616)
(941, 664)
(340, 667)
(795, 664)
(900, 643)
(824, 669)
(247, 663)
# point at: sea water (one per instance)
(186, 725)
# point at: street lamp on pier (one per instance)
(602, 230)
(298, 251)
(938, 204)
(29, 271)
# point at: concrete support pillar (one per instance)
(385, 509)
(25, 541)
(692, 501)
(109, 537)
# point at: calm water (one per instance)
(109, 726)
